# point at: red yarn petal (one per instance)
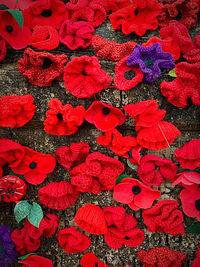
(146, 199)
(123, 193)
(3, 49)
(49, 224)
(89, 260)
(36, 261)
(188, 198)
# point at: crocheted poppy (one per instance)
(44, 37)
(126, 77)
(111, 50)
(164, 217)
(193, 55)
(76, 35)
(137, 17)
(151, 60)
(70, 156)
(91, 218)
(35, 166)
(73, 241)
(122, 228)
(105, 117)
(153, 170)
(90, 260)
(1, 172)
(49, 224)
(58, 196)
(3, 49)
(7, 252)
(16, 111)
(187, 179)
(136, 194)
(63, 120)
(97, 173)
(35, 260)
(41, 68)
(161, 256)
(196, 261)
(84, 77)
(12, 189)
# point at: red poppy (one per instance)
(90, 260)
(63, 120)
(196, 262)
(73, 241)
(104, 116)
(75, 5)
(35, 166)
(1, 172)
(111, 50)
(187, 179)
(58, 196)
(3, 49)
(84, 77)
(114, 5)
(41, 68)
(193, 55)
(49, 224)
(16, 111)
(70, 156)
(136, 194)
(35, 260)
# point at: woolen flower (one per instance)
(89, 260)
(196, 261)
(35, 260)
(49, 224)
(114, 5)
(193, 55)
(3, 49)
(187, 179)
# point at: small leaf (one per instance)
(25, 256)
(22, 210)
(17, 15)
(194, 228)
(36, 214)
(18, 175)
(172, 73)
(121, 177)
(133, 167)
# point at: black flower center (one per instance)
(60, 116)
(105, 110)
(46, 63)
(10, 191)
(9, 28)
(179, 16)
(129, 74)
(46, 13)
(127, 237)
(136, 12)
(3, 7)
(149, 63)
(197, 204)
(130, 154)
(84, 73)
(136, 190)
(1, 248)
(96, 264)
(33, 165)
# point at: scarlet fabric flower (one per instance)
(35, 260)
(187, 179)
(97, 173)
(90, 260)
(161, 256)
(70, 156)
(104, 116)
(3, 49)
(121, 228)
(12, 189)
(63, 120)
(164, 217)
(193, 55)
(1, 172)
(58, 196)
(35, 166)
(196, 261)
(84, 77)
(73, 241)
(41, 68)
(16, 111)
(76, 35)
(114, 5)
(111, 50)
(136, 194)
(49, 224)
(44, 37)
(137, 17)
(126, 77)
(153, 170)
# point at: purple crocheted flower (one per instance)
(151, 60)
(7, 253)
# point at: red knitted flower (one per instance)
(97, 173)
(126, 77)
(84, 77)
(193, 55)
(16, 111)
(153, 170)
(161, 256)
(114, 5)
(90, 260)
(3, 49)
(35, 260)
(187, 179)
(70, 156)
(104, 116)
(49, 224)
(76, 35)
(35, 166)
(164, 217)
(136, 194)
(63, 120)
(41, 68)
(196, 262)
(111, 50)
(137, 17)
(58, 196)
(1, 172)
(73, 241)
(122, 228)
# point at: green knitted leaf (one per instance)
(36, 214)
(17, 15)
(133, 167)
(22, 210)
(25, 256)
(194, 228)
(18, 175)
(120, 178)
(172, 73)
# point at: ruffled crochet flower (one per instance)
(3, 49)
(63, 120)
(136, 194)
(35, 260)
(187, 179)
(105, 117)
(41, 68)
(84, 77)
(196, 262)
(151, 60)
(193, 55)
(16, 111)
(49, 224)
(76, 35)
(89, 260)
(114, 5)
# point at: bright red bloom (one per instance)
(196, 262)
(104, 116)
(89, 260)
(36, 261)
(84, 77)
(153, 170)
(63, 120)
(49, 224)
(70, 156)
(114, 5)
(97, 173)
(137, 17)
(58, 196)
(19, 4)
(1, 172)
(3, 49)
(193, 55)
(73, 241)
(35, 166)
(164, 217)
(136, 194)
(41, 68)
(187, 179)
(16, 111)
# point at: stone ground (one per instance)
(33, 136)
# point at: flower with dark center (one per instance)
(105, 110)
(197, 204)
(149, 63)
(33, 165)
(136, 12)
(127, 237)
(46, 13)
(60, 116)
(46, 63)
(129, 74)
(136, 190)
(9, 28)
